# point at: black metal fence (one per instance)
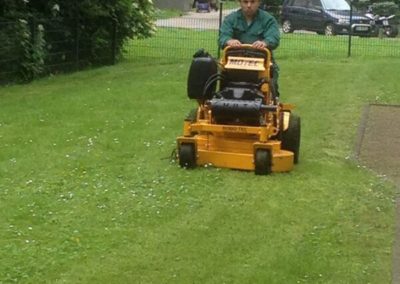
(175, 39)
(181, 37)
(43, 46)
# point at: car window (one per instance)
(316, 4)
(335, 5)
(300, 3)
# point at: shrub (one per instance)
(92, 30)
(385, 8)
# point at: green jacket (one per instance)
(264, 27)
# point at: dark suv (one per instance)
(329, 17)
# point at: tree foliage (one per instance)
(38, 28)
(385, 8)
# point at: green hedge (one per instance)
(36, 29)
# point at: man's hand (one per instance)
(259, 44)
(233, 43)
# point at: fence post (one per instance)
(76, 39)
(113, 42)
(29, 74)
(32, 24)
(221, 5)
(350, 29)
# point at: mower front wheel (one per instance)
(263, 162)
(187, 155)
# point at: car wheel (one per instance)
(263, 162)
(329, 30)
(287, 26)
(187, 156)
(291, 137)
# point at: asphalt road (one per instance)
(193, 20)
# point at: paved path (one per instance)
(194, 20)
(379, 149)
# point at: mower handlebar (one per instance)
(247, 50)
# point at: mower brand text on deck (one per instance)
(234, 129)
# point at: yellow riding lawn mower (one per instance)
(239, 122)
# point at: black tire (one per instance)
(263, 162)
(280, 128)
(187, 156)
(287, 27)
(329, 30)
(291, 137)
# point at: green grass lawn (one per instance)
(88, 193)
(167, 13)
(182, 43)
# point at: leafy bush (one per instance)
(385, 8)
(51, 32)
(32, 51)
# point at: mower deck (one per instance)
(282, 160)
(235, 147)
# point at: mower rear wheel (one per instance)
(187, 155)
(291, 137)
(263, 162)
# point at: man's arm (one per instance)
(226, 31)
(271, 33)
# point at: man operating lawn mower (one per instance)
(239, 122)
(251, 25)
